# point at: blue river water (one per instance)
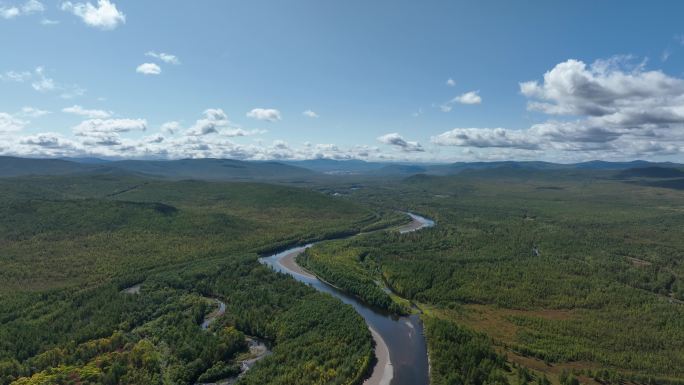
(402, 335)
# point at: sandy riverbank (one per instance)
(383, 371)
(288, 261)
(417, 223)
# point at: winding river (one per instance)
(400, 344)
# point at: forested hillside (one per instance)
(564, 271)
(71, 245)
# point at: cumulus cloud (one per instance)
(114, 143)
(236, 131)
(9, 123)
(92, 127)
(27, 8)
(607, 91)
(165, 57)
(9, 12)
(157, 138)
(451, 82)
(397, 140)
(310, 114)
(485, 137)
(611, 108)
(574, 131)
(48, 140)
(267, 114)
(471, 97)
(103, 139)
(104, 15)
(171, 128)
(93, 114)
(148, 69)
(213, 120)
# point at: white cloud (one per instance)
(451, 82)
(310, 114)
(49, 22)
(213, 120)
(485, 137)
(575, 131)
(148, 69)
(92, 127)
(171, 127)
(471, 97)
(267, 114)
(9, 12)
(397, 140)
(154, 138)
(104, 15)
(92, 114)
(612, 108)
(115, 144)
(236, 131)
(16, 76)
(32, 112)
(42, 83)
(28, 8)
(609, 91)
(32, 6)
(9, 123)
(165, 57)
(48, 140)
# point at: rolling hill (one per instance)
(205, 169)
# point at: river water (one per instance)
(402, 335)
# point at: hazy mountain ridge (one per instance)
(230, 169)
(208, 169)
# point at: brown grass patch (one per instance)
(494, 322)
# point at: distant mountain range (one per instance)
(206, 169)
(329, 166)
(228, 169)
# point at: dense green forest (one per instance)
(570, 268)
(71, 244)
(528, 277)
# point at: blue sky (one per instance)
(167, 79)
